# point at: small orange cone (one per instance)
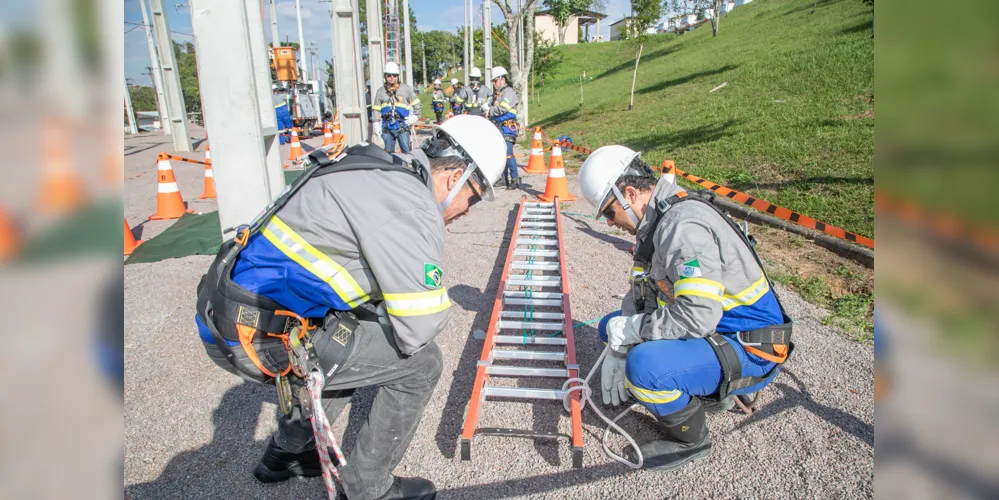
(556, 185)
(208, 154)
(169, 203)
(536, 164)
(10, 237)
(130, 241)
(209, 184)
(337, 133)
(327, 135)
(296, 147)
(62, 190)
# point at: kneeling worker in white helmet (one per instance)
(701, 324)
(357, 249)
(396, 108)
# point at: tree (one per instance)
(562, 11)
(519, 75)
(716, 6)
(143, 98)
(646, 13)
(546, 57)
(187, 69)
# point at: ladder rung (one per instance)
(516, 392)
(537, 315)
(538, 204)
(536, 253)
(537, 224)
(538, 283)
(538, 232)
(534, 295)
(538, 266)
(542, 242)
(532, 302)
(521, 371)
(527, 339)
(529, 355)
(538, 217)
(529, 325)
(537, 277)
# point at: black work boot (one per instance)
(686, 440)
(714, 406)
(410, 488)
(514, 183)
(278, 465)
(749, 400)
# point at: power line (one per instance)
(143, 25)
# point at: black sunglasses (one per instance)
(608, 211)
(476, 196)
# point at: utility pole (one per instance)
(376, 46)
(234, 75)
(171, 79)
(487, 42)
(464, 36)
(275, 37)
(130, 112)
(348, 71)
(301, 39)
(423, 45)
(469, 34)
(156, 76)
(409, 51)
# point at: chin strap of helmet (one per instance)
(625, 204)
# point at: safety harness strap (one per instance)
(731, 367)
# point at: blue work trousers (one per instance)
(511, 162)
(391, 137)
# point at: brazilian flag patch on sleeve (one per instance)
(432, 275)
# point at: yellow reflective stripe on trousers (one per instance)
(648, 396)
(317, 263)
(699, 287)
(418, 303)
(747, 297)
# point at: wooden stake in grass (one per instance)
(580, 90)
(634, 77)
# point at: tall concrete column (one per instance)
(234, 75)
(349, 72)
(301, 42)
(376, 45)
(487, 42)
(275, 36)
(157, 75)
(132, 129)
(409, 51)
(464, 35)
(171, 79)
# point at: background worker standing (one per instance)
(701, 321)
(502, 111)
(397, 108)
(357, 250)
(458, 97)
(284, 122)
(477, 94)
(439, 100)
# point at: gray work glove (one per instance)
(612, 377)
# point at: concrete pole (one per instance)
(171, 79)
(464, 35)
(409, 51)
(301, 40)
(349, 72)
(234, 76)
(130, 112)
(376, 45)
(487, 42)
(275, 36)
(423, 46)
(469, 34)
(157, 76)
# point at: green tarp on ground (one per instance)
(89, 230)
(190, 235)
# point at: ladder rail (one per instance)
(576, 410)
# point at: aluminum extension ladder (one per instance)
(531, 311)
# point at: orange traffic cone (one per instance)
(209, 191)
(208, 154)
(169, 203)
(536, 164)
(10, 237)
(337, 133)
(556, 185)
(296, 147)
(130, 241)
(327, 135)
(62, 190)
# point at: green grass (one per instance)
(852, 313)
(794, 125)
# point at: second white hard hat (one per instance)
(391, 68)
(601, 170)
(484, 144)
(454, 81)
(475, 73)
(499, 71)
(437, 81)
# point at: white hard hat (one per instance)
(499, 71)
(454, 81)
(437, 81)
(483, 143)
(475, 73)
(391, 68)
(601, 170)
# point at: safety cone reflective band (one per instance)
(556, 179)
(327, 135)
(62, 190)
(296, 147)
(10, 237)
(536, 163)
(130, 241)
(337, 133)
(208, 154)
(209, 184)
(169, 203)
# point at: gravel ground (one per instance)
(192, 430)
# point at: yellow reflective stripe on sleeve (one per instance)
(505, 105)
(648, 396)
(280, 105)
(417, 303)
(316, 262)
(378, 107)
(747, 297)
(699, 287)
(414, 102)
(402, 105)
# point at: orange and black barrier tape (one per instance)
(167, 156)
(774, 210)
(946, 226)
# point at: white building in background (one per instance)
(619, 29)
(742, 2)
(727, 7)
(548, 28)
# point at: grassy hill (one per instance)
(794, 125)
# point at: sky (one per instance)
(430, 15)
